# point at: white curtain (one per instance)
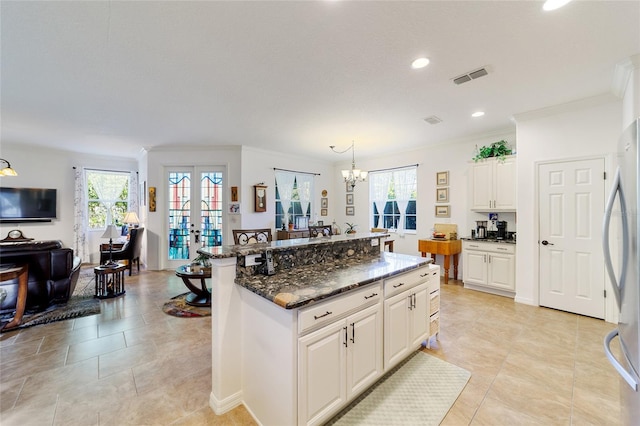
(285, 182)
(405, 185)
(305, 186)
(134, 200)
(380, 192)
(80, 217)
(108, 186)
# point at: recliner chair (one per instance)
(130, 251)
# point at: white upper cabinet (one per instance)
(492, 184)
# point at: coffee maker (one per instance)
(481, 229)
(502, 229)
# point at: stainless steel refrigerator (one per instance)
(623, 208)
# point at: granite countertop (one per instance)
(489, 240)
(221, 252)
(297, 287)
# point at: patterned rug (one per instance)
(80, 304)
(178, 307)
(419, 391)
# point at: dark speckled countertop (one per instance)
(293, 288)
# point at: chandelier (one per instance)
(351, 177)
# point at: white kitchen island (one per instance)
(297, 346)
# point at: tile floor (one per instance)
(135, 365)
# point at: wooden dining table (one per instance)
(446, 248)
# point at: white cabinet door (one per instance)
(419, 314)
(321, 373)
(396, 328)
(504, 184)
(364, 349)
(475, 267)
(502, 271)
(481, 182)
(406, 323)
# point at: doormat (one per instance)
(419, 391)
(178, 307)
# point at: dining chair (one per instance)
(251, 236)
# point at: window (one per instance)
(393, 194)
(293, 197)
(107, 197)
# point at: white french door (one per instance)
(194, 211)
(571, 205)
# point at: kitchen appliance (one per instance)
(502, 229)
(481, 229)
(625, 278)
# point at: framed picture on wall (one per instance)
(442, 195)
(349, 187)
(442, 178)
(443, 211)
(324, 203)
(350, 199)
(324, 212)
(260, 198)
(350, 211)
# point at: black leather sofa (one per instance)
(53, 273)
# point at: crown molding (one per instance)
(566, 107)
(622, 74)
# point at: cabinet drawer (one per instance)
(331, 310)
(434, 302)
(434, 324)
(404, 281)
(490, 247)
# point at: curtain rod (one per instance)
(106, 170)
(296, 171)
(394, 168)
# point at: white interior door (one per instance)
(194, 211)
(571, 206)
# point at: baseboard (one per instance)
(222, 406)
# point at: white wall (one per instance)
(40, 167)
(589, 127)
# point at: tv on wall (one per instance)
(28, 204)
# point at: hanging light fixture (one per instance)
(351, 177)
(7, 171)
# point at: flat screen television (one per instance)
(27, 204)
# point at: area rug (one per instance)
(178, 307)
(80, 304)
(419, 391)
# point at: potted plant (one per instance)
(201, 263)
(498, 149)
(351, 228)
(290, 223)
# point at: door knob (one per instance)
(546, 243)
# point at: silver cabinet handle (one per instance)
(398, 285)
(346, 337)
(353, 332)
(372, 295)
(322, 316)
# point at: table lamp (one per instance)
(111, 232)
(131, 219)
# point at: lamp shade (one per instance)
(131, 218)
(111, 232)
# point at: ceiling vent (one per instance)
(470, 76)
(433, 120)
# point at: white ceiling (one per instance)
(113, 77)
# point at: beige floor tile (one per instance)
(95, 347)
(26, 366)
(9, 391)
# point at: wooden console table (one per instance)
(22, 273)
(447, 248)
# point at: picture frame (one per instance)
(234, 208)
(320, 223)
(349, 188)
(442, 178)
(260, 199)
(234, 194)
(350, 199)
(442, 195)
(324, 212)
(443, 211)
(324, 203)
(350, 211)
(152, 198)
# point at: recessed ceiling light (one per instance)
(554, 4)
(478, 114)
(419, 63)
